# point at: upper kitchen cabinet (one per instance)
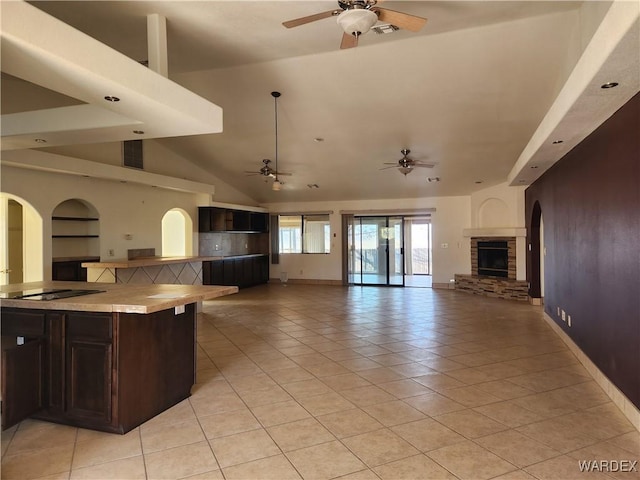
(216, 219)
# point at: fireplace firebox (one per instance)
(493, 258)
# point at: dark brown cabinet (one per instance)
(215, 219)
(104, 371)
(244, 271)
(71, 270)
(88, 367)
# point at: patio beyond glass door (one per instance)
(377, 251)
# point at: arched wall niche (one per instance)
(177, 233)
(75, 230)
(492, 213)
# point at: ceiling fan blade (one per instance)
(424, 165)
(387, 168)
(401, 20)
(283, 174)
(349, 41)
(252, 173)
(311, 18)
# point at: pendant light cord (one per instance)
(275, 96)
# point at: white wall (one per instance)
(123, 208)
(451, 216)
(502, 207)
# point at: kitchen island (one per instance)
(108, 359)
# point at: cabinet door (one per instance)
(22, 380)
(230, 271)
(217, 273)
(88, 367)
(204, 219)
(259, 222)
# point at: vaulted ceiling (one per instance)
(482, 91)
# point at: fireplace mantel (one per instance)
(495, 232)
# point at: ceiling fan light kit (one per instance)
(358, 21)
(357, 17)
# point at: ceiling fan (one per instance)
(356, 17)
(406, 165)
(267, 171)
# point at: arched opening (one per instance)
(177, 234)
(536, 257)
(21, 234)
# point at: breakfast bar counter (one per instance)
(149, 270)
(100, 356)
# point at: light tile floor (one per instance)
(320, 382)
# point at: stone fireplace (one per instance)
(493, 257)
(494, 269)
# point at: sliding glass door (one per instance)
(376, 251)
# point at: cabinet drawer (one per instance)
(21, 323)
(89, 326)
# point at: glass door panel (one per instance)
(371, 257)
(375, 251)
(395, 244)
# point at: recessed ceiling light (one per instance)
(40, 140)
(318, 139)
(558, 142)
(111, 98)
(313, 185)
(478, 182)
(534, 166)
(433, 179)
(609, 85)
(138, 132)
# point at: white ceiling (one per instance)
(481, 91)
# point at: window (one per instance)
(304, 234)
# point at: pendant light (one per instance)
(276, 183)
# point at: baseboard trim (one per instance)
(306, 281)
(628, 409)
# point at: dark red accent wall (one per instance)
(590, 203)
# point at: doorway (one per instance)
(418, 252)
(21, 246)
(377, 251)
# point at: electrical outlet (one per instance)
(564, 316)
(111, 252)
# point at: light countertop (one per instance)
(146, 262)
(126, 298)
